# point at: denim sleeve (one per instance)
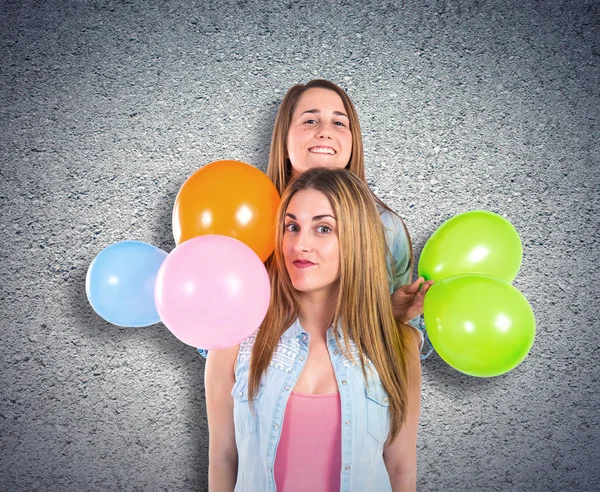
(398, 259)
(203, 352)
(426, 348)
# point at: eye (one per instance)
(310, 122)
(323, 229)
(339, 123)
(291, 227)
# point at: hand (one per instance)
(407, 300)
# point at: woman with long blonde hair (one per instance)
(326, 395)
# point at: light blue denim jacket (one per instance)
(364, 408)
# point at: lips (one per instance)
(303, 263)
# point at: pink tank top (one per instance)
(309, 454)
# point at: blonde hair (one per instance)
(363, 309)
(279, 169)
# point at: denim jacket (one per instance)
(364, 414)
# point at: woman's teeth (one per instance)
(322, 150)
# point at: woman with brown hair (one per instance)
(326, 395)
(317, 126)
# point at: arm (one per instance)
(219, 377)
(400, 456)
(407, 297)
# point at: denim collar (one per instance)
(295, 330)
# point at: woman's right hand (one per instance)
(407, 300)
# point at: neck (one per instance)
(316, 312)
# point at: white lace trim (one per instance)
(286, 353)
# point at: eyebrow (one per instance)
(315, 218)
(317, 111)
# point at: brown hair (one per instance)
(363, 308)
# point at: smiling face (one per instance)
(319, 133)
(310, 244)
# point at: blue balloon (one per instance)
(120, 283)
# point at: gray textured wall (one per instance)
(107, 107)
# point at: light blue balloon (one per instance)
(120, 283)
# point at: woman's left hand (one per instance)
(407, 300)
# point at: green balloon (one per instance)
(478, 242)
(480, 325)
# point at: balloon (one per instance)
(120, 283)
(480, 325)
(476, 242)
(229, 198)
(212, 291)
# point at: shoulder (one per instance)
(220, 365)
(245, 348)
(287, 342)
(228, 353)
(232, 357)
(412, 338)
(395, 230)
(391, 221)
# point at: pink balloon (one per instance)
(212, 291)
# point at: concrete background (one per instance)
(108, 106)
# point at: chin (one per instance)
(301, 286)
(328, 163)
(304, 288)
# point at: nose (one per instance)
(323, 132)
(302, 242)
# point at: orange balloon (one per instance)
(230, 198)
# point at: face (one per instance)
(319, 134)
(310, 244)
